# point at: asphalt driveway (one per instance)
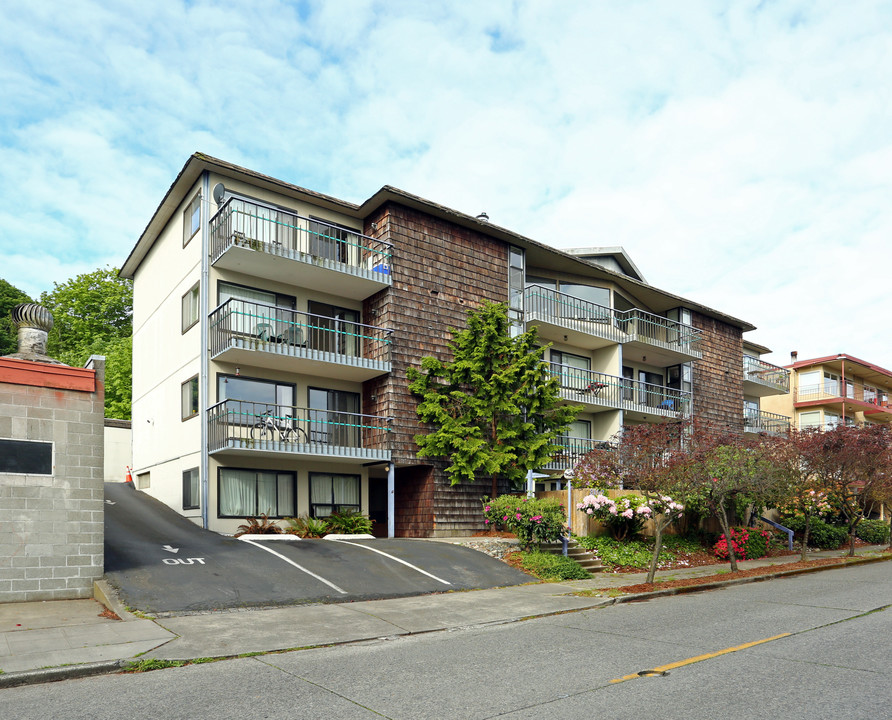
(161, 562)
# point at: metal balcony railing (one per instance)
(573, 449)
(557, 308)
(758, 421)
(277, 329)
(596, 388)
(659, 331)
(246, 224)
(831, 389)
(241, 424)
(759, 371)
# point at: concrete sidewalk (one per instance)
(53, 640)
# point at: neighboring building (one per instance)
(118, 456)
(51, 451)
(761, 380)
(273, 327)
(835, 390)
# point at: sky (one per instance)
(740, 152)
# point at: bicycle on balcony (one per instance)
(270, 427)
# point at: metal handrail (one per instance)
(261, 227)
(757, 370)
(762, 421)
(268, 424)
(274, 328)
(602, 389)
(567, 311)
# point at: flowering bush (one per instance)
(626, 515)
(815, 503)
(533, 521)
(748, 544)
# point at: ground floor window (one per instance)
(191, 491)
(249, 493)
(330, 493)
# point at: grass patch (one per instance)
(636, 553)
(150, 664)
(547, 566)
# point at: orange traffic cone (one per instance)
(128, 478)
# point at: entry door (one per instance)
(334, 329)
(653, 390)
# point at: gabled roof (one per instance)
(867, 370)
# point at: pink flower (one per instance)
(518, 516)
(486, 522)
(486, 509)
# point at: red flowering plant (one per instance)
(533, 521)
(747, 543)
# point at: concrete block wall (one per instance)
(51, 526)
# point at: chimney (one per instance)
(33, 322)
(794, 355)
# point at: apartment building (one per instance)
(833, 390)
(273, 327)
(761, 380)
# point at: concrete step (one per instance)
(587, 559)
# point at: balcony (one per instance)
(279, 245)
(645, 337)
(657, 340)
(757, 421)
(573, 450)
(853, 397)
(761, 379)
(259, 335)
(598, 391)
(242, 428)
(564, 318)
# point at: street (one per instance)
(812, 646)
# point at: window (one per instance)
(831, 420)
(191, 219)
(574, 371)
(331, 242)
(809, 420)
(809, 384)
(628, 384)
(249, 493)
(331, 493)
(870, 394)
(651, 388)
(259, 313)
(190, 398)
(515, 289)
(191, 490)
(256, 396)
(190, 308)
(333, 417)
(590, 295)
(577, 437)
(831, 383)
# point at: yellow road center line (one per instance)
(698, 658)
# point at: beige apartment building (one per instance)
(835, 390)
(273, 327)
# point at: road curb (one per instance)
(67, 672)
(685, 589)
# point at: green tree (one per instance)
(92, 315)
(10, 296)
(494, 409)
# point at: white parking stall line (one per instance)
(392, 557)
(291, 562)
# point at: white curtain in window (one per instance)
(285, 496)
(346, 490)
(238, 493)
(320, 489)
(267, 496)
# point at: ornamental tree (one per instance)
(643, 457)
(494, 409)
(802, 493)
(852, 463)
(92, 315)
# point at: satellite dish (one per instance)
(219, 193)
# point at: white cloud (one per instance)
(740, 152)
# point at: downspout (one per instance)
(844, 390)
(391, 504)
(203, 359)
